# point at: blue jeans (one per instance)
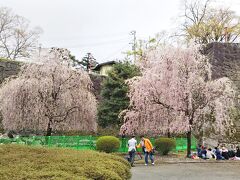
(150, 156)
(131, 156)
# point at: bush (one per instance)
(108, 144)
(38, 163)
(165, 145)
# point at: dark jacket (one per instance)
(218, 154)
(238, 153)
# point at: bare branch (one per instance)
(16, 39)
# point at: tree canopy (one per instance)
(47, 97)
(114, 92)
(174, 95)
(88, 62)
(204, 23)
(16, 37)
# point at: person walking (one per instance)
(148, 149)
(132, 143)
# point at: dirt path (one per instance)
(188, 171)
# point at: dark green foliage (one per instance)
(9, 60)
(114, 94)
(37, 163)
(165, 145)
(108, 144)
(107, 131)
(88, 62)
(75, 61)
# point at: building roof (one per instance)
(97, 68)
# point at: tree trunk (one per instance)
(189, 135)
(49, 129)
(189, 142)
(168, 134)
(168, 131)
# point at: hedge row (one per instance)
(42, 163)
(110, 144)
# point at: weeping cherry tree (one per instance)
(48, 96)
(174, 95)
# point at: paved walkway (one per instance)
(187, 171)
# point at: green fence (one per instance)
(82, 142)
(181, 144)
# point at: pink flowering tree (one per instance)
(175, 94)
(48, 96)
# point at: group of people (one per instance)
(146, 146)
(218, 153)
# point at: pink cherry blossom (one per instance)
(174, 94)
(48, 95)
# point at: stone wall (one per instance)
(225, 62)
(97, 85)
(8, 68)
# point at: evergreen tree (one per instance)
(88, 62)
(114, 94)
(75, 62)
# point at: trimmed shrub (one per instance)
(165, 145)
(57, 163)
(108, 144)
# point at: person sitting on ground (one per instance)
(218, 154)
(148, 149)
(199, 151)
(204, 153)
(214, 154)
(132, 143)
(214, 151)
(231, 153)
(194, 156)
(237, 151)
(210, 154)
(225, 153)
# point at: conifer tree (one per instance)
(114, 93)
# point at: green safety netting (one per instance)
(82, 142)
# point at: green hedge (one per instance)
(37, 163)
(108, 144)
(165, 145)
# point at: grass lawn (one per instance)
(25, 162)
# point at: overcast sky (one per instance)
(101, 27)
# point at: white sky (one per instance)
(101, 27)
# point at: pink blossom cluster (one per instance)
(175, 93)
(48, 94)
